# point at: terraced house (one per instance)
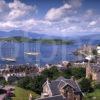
(61, 89)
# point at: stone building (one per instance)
(93, 72)
(61, 89)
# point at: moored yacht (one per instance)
(32, 53)
(8, 52)
(9, 59)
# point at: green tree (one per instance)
(37, 84)
(85, 85)
(94, 51)
(24, 82)
(67, 73)
(32, 84)
(3, 81)
(51, 73)
(78, 72)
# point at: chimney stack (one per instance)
(73, 78)
(48, 81)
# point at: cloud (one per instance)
(16, 15)
(24, 25)
(20, 10)
(57, 13)
(92, 23)
(75, 3)
(88, 15)
(15, 10)
(67, 9)
(4, 10)
(63, 20)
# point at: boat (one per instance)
(32, 53)
(9, 59)
(8, 54)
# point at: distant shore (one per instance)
(45, 41)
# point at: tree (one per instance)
(3, 81)
(67, 73)
(23, 83)
(37, 84)
(51, 73)
(32, 84)
(94, 51)
(85, 85)
(78, 72)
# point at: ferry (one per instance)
(9, 59)
(32, 53)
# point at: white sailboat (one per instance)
(8, 59)
(32, 53)
(8, 54)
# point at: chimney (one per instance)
(88, 63)
(73, 78)
(48, 81)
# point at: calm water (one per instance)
(48, 53)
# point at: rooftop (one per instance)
(61, 82)
(96, 67)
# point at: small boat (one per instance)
(32, 53)
(9, 59)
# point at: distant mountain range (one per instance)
(25, 34)
(84, 38)
(92, 39)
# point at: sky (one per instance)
(53, 17)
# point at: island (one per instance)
(43, 40)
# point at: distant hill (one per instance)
(26, 39)
(90, 39)
(26, 36)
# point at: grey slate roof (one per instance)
(73, 84)
(57, 84)
(58, 97)
(54, 87)
(96, 67)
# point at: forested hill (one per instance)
(26, 39)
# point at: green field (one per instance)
(22, 94)
(93, 96)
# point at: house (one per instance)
(90, 57)
(98, 50)
(93, 72)
(61, 89)
(66, 64)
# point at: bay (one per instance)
(49, 53)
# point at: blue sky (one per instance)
(53, 17)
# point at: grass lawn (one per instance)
(96, 94)
(22, 94)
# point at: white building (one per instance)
(98, 50)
